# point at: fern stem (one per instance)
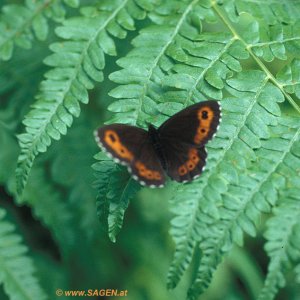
(274, 42)
(257, 60)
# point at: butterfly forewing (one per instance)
(130, 145)
(121, 141)
(194, 125)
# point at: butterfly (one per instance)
(176, 148)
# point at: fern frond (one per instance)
(145, 68)
(245, 123)
(71, 170)
(115, 189)
(245, 39)
(16, 268)
(155, 51)
(78, 62)
(8, 153)
(289, 78)
(270, 11)
(283, 240)
(171, 67)
(20, 24)
(194, 66)
(297, 273)
(243, 204)
(270, 42)
(46, 202)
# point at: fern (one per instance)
(185, 66)
(283, 241)
(20, 24)
(250, 64)
(141, 76)
(269, 42)
(289, 78)
(156, 50)
(39, 188)
(270, 11)
(245, 123)
(76, 178)
(16, 268)
(78, 62)
(115, 188)
(260, 187)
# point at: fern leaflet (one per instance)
(257, 193)
(115, 189)
(19, 24)
(78, 62)
(270, 11)
(16, 268)
(283, 240)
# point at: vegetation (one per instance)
(66, 67)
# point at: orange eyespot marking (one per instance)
(205, 117)
(182, 170)
(147, 173)
(191, 163)
(150, 175)
(112, 139)
(157, 176)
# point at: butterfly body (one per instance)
(155, 140)
(176, 148)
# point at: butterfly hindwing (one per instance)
(184, 162)
(194, 125)
(130, 146)
(147, 168)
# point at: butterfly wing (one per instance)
(194, 125)
(131, 146)
(183, 137)
(184, 162)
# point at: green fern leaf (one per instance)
(144, 68)
(78, 62)
(138, 95)
(297, 273)
(76, 178)
(16, 268)
(269, 11)
(46, 201)
(283, 235)
(257, 193)
(173, 65)
(270, 42)
(195, 66)
(115, 189)
(289, 78)
(245, 123)
(19, 24)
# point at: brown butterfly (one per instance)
(176, 148)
